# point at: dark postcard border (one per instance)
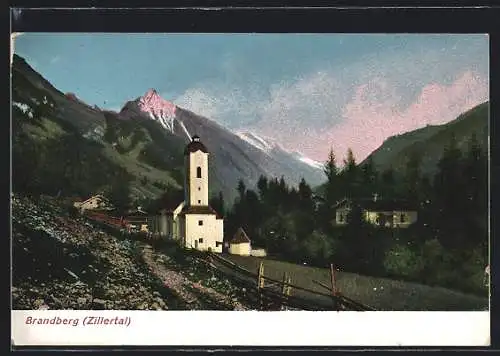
(252, 3)
(352, 20)
(271, 20)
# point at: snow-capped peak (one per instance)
(158, 108)
(267, 145)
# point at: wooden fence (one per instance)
(272, 294)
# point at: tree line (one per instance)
(448, 245)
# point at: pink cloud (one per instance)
(373, 115)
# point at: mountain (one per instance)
(233, 155)
(143, 142)
(429, 142)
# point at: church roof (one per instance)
(195, 145)
(240, 237)
(200, 209)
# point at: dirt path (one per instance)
(195, 295)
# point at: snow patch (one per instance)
(185, 130)
(25, 108)
(311, 162)
(256, 141)
(267, 145)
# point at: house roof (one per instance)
(136, 213)
(200, 209)
(195, 145)
(97, 196)
(240, 237)
(170, 205)
(378, 204)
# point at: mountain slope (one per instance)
(429, 142)
(145, 140)
(60, 141)
(232, 157)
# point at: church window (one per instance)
(199, 201)
(200, 222)
(200, 240)
(198, 172)
(199, 188)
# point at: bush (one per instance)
(457, 269)
(317, 248)
(402, 261)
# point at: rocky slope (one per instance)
(65, 262)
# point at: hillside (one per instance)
(142, 144)
(68, 262)
(73, 149)
(429, 142)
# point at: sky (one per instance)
(308, 92)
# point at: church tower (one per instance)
(196, 177)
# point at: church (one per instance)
(192, 222)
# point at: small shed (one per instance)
(240, 243)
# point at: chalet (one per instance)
(137, 219)
(96, 202)
(192, 222)
(240, 243)
(379, 212)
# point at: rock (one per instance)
(39, 302)
(99, 302)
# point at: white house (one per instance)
(193, 222)
(240, 243)
(379, 212)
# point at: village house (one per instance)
(137, 219)
(240, 243)
(192, 222)
(380, 212)
(96, 202)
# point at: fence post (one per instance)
(288, 287)
(284, 291)
(260, 284)
(334, 287)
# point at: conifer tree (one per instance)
(369, 177)
(350, 175)
(412, 178)
(449, 197)
(332, 187)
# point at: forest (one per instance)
(447, 246)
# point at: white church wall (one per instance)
(203, 232)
